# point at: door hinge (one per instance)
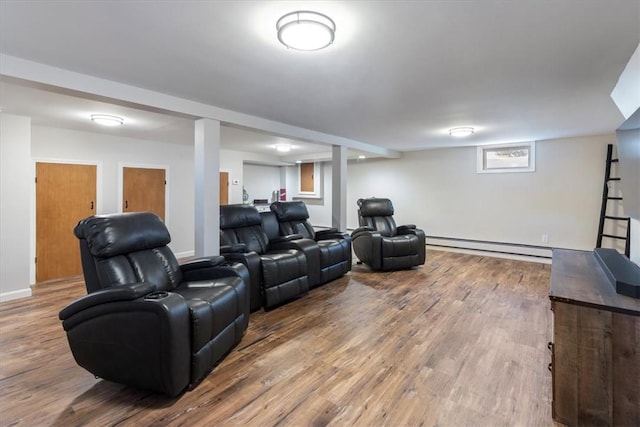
(36, 179)
(35, 260)
(165, 182)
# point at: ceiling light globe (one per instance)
(461, 132)
(107, 120)
(306, 30)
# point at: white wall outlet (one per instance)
(545, 238)
(235, 182)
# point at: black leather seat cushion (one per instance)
(242, 224)
(383, 245)
(202, 307)
(282, 266)
(293, 218)
(213, 305)
(335, 249)
(282, 271)
(378, 213)
(399, 246)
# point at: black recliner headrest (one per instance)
(375, 207)
(236, 216)
(290, 211)
(116, 234)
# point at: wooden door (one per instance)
(65, 194)
(224, 188)
(144, 190)
(307, 184)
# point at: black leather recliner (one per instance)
(308, 247)
(147, 321)
(335, 246)
(278, 268)
(382, 245)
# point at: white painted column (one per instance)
(17, 210)
(339, 188)
(283, 180)
(207, 187)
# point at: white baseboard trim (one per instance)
(514, 251)
(20, 293)
(185, 254)
(490, 254)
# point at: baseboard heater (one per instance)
(504, 248)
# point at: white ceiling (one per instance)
(399, 75)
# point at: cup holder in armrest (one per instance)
(157, 295)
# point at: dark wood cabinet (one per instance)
(596, 345)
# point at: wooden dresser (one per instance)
(596, 345)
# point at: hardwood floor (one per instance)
(460, 341)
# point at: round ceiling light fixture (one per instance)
(283, 148)
(461, 132)
(306, 30)
(107, 120)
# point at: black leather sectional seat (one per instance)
(278, 267)
(382, 245)
(148, 321)
(334, 255)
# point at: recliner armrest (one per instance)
(251, 261)
(309, 248)
(232, 249)
(402, 229)
(332, 233)
(199, 263)
(287, 238)
(118, 293)
(363, 230)
(327, 230)
(298, 243)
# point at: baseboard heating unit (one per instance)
(497, 249)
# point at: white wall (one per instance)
(625, 93)
(440, 191)
(261, 181)
(111, 152)
(16, 177)
(233, 161)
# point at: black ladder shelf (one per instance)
(603, 211)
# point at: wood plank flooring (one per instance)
(459, 341)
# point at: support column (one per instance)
(283, 181)
(207, 187)
(339, 188)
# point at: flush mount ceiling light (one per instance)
(306, 30)
(107, 120)
(461, 131)
(283, 148)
